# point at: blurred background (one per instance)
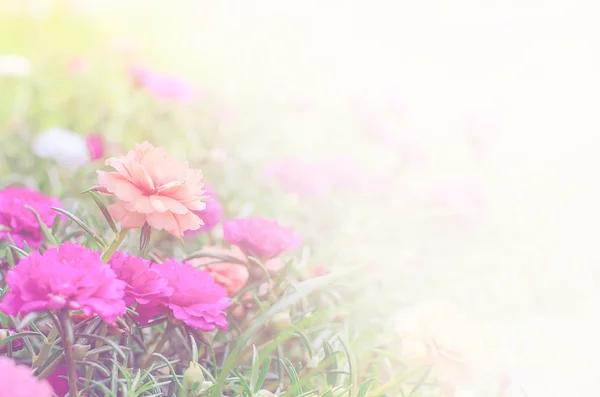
(448, 147)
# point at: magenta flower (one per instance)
(18, 381)
(95, 145)
(58, 381)
(196, 300)
(260, 237)
(20, 223)
(70, 277)
(144, 284)
(210, 216)
(161, 86)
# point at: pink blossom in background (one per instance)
(197, 300)
(77, 65)
(315, 179)
(18, 381)
(210, 216)
(67, 277)
(162, 86)
(20, 223)
(462, 199)
(437, 334)
(144, 284)
(481, 131)
(319, 271)
(95, 144)
(231, 276)
(292, 176)
(393, 135)
(260, 237)
(153, 188)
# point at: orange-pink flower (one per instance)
(154, 188)
(435, 333)
(231, 276)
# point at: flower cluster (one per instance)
(18, 222)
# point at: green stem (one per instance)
(46, 348)
(90, 370)
(114, 246)
(67, 338)
(161, 343)
(390, 385)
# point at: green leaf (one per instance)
(81, 224)
(294, 378)
(18, 250)
(304, 339)
(194, 348)
(351, 367)
(255, 369)
(45, 231)
(55, 224)
(262, 375)
(105, 341)
(364, 388)
(104, 210)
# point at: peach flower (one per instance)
(231, 276)
(435, 333)
(154, 188)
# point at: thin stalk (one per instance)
(67, 338)
(161, 343)
(114, 246)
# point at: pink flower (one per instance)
(95, 145)
(260, 237)
(161, 86)
(435, 333)
(18, 381)
(327, 175)
(143, 283)
(58, 381)
(231, 276)
(196, 300)
(292, 174)
(20, 223)
(77, 65)
(70, 277)
(210, 216)
(153, 188)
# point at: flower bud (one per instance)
(192, 377)
(264, 393)
(280, 321)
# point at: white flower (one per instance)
(14, 65)
(65, 147)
